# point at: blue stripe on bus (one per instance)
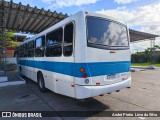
(72, 69)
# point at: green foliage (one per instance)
(158, 59)
(10, 35)
(145, 57)
(144, 64)
(13, 44)
(9, 40)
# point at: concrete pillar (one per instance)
(152, 44)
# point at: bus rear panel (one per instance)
(106, 57)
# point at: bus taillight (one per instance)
(84, 75)
(97, 83)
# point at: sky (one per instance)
(142, 15)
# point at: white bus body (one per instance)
(93, 66)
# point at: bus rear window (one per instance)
(103, 33)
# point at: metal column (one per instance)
(152, 43)
(3, 42)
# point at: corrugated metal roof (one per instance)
(138, 35)
(21, 18)
(29, 19)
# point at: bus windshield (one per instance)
(107, 34)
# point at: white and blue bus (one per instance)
(84, 55)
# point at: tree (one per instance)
(9, 40)
(147, 56)
(158, 59)
(156, 47)
(10, 35)
(13, 44)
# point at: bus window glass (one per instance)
(39, 46)
(38, 42)
(22, 51)
(54, 43)
(68, 40)
(31, 49)
(25, 50)
(102, 32)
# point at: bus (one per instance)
(84, 55)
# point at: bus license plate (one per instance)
(111, 77)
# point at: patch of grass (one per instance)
(145, 64)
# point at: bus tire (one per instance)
(41, 83)
(20, 71)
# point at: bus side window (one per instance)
(22, 51)
(25, 50)
(40, 46)
(31, 49)
(54, 43)
(68, 40)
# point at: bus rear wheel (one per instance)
(20, 71)
(41, 83)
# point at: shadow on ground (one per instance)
(65, 106)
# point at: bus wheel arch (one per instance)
(41, 82)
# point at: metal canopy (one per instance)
(21, 18)
(137, 35)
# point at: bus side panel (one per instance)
(53, 75)
(32, 74)
(64, 82)
(63, 85)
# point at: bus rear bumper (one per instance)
(90, 91)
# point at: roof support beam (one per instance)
(37, 17)
(15, 19)
(28, 16)
(41, 21)
(21, 21)
(9, 14)
(44, 24)
(47, 26)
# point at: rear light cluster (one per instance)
(82, 70)
(98, 83)
(84, 75)
(125, 76)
